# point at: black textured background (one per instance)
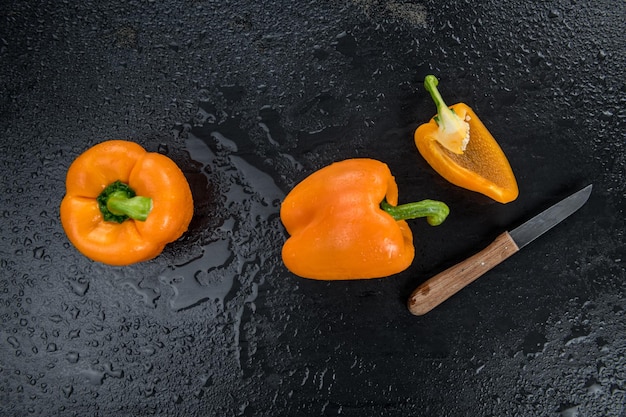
(249, 97)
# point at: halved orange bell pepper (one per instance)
(124, 204)
(457, 145)
(344, 223)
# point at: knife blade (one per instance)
(447, 283)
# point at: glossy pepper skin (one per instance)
(481, 166)
(166, 209)
(339, 230)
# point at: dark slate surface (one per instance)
(249, 98)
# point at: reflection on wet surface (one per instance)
(249, 212)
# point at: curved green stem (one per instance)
(434, 211)
(430, 84)
(454, 132)
(118, 202)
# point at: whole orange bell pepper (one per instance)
(344, 223)
(457, 145)
(124, 204)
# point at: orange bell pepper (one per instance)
(344, 223)
(105, 219)
(457, 145)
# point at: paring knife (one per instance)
(447, 283)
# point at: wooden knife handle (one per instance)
(447, 283)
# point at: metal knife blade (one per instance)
(549, 218)
(447, 283)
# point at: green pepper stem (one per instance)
(454, 132)
(118, 202)
(434, 211)
(136, 207)
(430, 84)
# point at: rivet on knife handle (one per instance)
(447, 283)
(442, 286)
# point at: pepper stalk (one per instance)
(454, 131)
(434, 211)
(118, 203)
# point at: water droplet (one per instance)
(39, 252)
(78, 286)
(72, 357)
(149, 390)
(204, 95)
(93, 376)
(13, 342)
(67, 390)
(206, 381)
(52, 347)
(553, 14)
(108, 370)
(56, 318)
(163, 148)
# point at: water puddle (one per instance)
(248, 207)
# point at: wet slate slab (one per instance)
(249, 98)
